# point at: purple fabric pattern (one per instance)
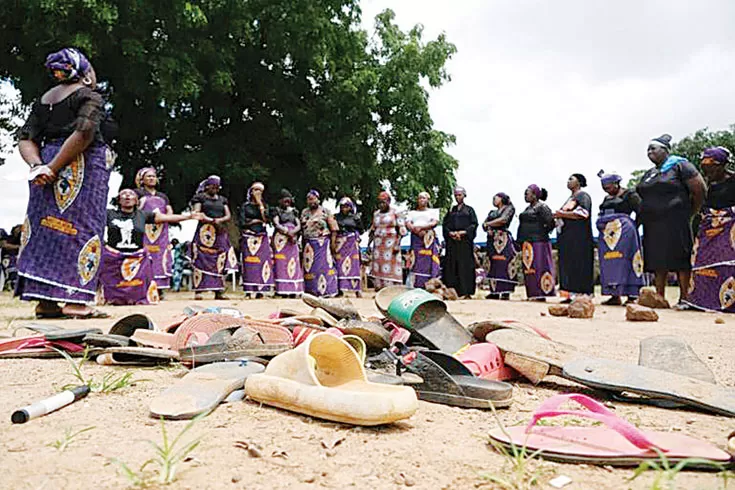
(348, 261)
(289, 276)
(127, 278)
(503, 267)
(713, 272)
(212, 257)
(423, 258)
(320, 276)
(67, 65)
(621, 259)
(156, 241)
(62, 239)
(538, 269)
(257, 262)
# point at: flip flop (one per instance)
(532, 355)
(675, 355)
(202, 389)
(204, 323)
(615, 443)
(323, 378)
(449, 382)
(127, 326)
(93, 314)
(337, 307)
(480, 329)
(136, 356)
(52, 332)
(619, 376)
(486, 362)
(374, 334)
(243, 342)
(106, 340)
(325, 317)
(37, 346)
(150, 338)
(425, 315)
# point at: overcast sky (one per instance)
(543, 89)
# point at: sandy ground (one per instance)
(439, 447)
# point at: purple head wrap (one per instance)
(346, 201)
(211, 180)
(314, 193)
(536, 190)
(716, 154)
(611, 178)
(141, 175)
(67, 65)
(254, 186)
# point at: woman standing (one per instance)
(423, 258)
(156, 239)
(619, 247)
(576, 247)
(385, 235)
(61, 245)
(459, 228)
(318, 224)
(211, 252)
(536, 222)
(255, 248)
(713, 262)
(346, 247)
(672, 193)
(501, 251)
(287, 270)
(127, 273)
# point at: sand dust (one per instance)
(439, 447)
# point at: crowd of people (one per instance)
(63, 257)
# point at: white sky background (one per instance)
(544, 88)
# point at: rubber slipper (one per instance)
(135, 356)
(205, 323)
(374, 334)
(337, 307)
(37, 346)
(326, 318)
(150, 338)
(93, 313)
(449, 382)
(652, 383)
(486, 362)
(482, 328)
(243, 342)
(127, 326)
(425, 316)
(615, 443)
(324, 378)
(106, 340)
(675, 355)
(202, 389)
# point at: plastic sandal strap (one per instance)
(595, 411)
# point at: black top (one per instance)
(460, 219)
(142, 192)
(82, 110)
(212, 207)
(288, 215)
(536, 222)
(583, 201)
(721, 195)
(251, 211)
(626, 203)
(125, 230)
(667, 194)
(348, 223)
(506, 213)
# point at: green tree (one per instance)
(291, 92)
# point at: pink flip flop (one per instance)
(615, 443)
(485, 361)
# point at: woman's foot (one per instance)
(632, 300)
(613, 301)
(567, 301)
(48, 309)
(538, 300)
(220, 295)
(258, 295)
(505, 296)
(492, 296)
(82, 311)
(681, 306)
(198, 297)
(358, 294)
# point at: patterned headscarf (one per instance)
(716, 155)
(314, 193)
(504, 198)
(663, 141)
(141, 175)
(611, 178)
(211, 180)
(346, 201)
(460, 189)
(67, 65)
(385, 196)
(536, 190)
(125, 192)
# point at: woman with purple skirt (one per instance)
(713, 260)
(211, 253)
(619, 246)
(255, 247)
(62, 238)
(501, 251)
(156, 238)
(346, 247)
(423, 259)
(289, 276)
(536, 222)
(317, 223)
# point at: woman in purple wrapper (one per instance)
(536, 222)
(423, 259)
(156, 238)
(713, 260)
(346, 247)
(211, 253)
(127, 275)
(289, 275)
(501, 249)
(61, 245)
(255, 247)
(619, 246)
(317, 223)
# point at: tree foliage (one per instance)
(290, 92)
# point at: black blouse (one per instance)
(460, 218)
(666, 194)
(125, 230)
(285, 216)
(348, 223)
(536, 222)
(251, 211)
(506, 213)
(721, 195)
(626, 203)
(212, 207)
(81, 110)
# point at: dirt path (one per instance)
(439, 447)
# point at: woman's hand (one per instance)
(198, 216)
(43, 175)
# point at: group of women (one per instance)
(63, 254)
